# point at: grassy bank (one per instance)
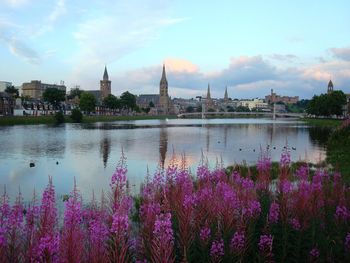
(338, 151)
(32, 120)
(322, 122)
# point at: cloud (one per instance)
(59, 10)
(288, 57)
(15, 3)
(21, 50)
(341, 53)
(180, 65)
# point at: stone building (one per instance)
(36, 88)
(273, 98)
(105, 85)
(330, 87)
(144, 100)
(4, 85)
(209, 101)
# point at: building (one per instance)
(209, 103)
(226, 96)
(164, 100)
(35, 88)
(144, 100)
(273, 98)
(257, 104)
(330, 87)
(105, 85)
(7, 104)
(4, 85)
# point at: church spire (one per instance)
(330, 86)
(226, 95)
(163, 79)
(105, 74)
(208, 92)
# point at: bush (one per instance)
(76, 115)
(59, 117)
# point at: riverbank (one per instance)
(322, 122)
(33, 120)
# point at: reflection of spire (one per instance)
(163, 145)
(105, 149)
(208, 138)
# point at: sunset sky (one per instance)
(294, 47)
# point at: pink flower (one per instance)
(274, 212)
(238, 242)
(217, 249)
(120, 224)
(265, 243)
(314, 253)
(162, 228)
(204, 234)
(347, 242)
(302, 172)
(342, 213)
(295, 224)
(285, 158)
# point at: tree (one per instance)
(76, 115)
(54, 96)
(199, 108)
(87, 102)
(111, 102)
(242, 109)
(59, 117)
(189, 109)
(128, 100)
(151, 104)
(327, 104)
(12, 91)
(76, 92)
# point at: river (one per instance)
(90, 152)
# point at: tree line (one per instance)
(327, 104)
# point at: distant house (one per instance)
(274, 98)
(7, 104)
(144, 100)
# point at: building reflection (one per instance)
(105, 149)
(163, 145)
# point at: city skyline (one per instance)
(294, 48)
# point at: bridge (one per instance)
(266, 114)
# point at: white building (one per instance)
(258, 104)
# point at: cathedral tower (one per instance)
(105, 85)
(163, 93)
(226, 96)
(330, 87)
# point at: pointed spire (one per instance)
(330, 86)
(105, 74)
(208, 92)
(163, 79)
(226, 95)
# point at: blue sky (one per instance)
(294, 47)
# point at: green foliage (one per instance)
(12, 91)
(76, 115)
(151, 104)
(74, 93)
(54, 96)
(59, 117)
(327, 104)
(112, 102)
(189, 109)
(87, 102)
(242, 109)
(211, 110)
(128, 100)
(338, 153)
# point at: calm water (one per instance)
(90, 152)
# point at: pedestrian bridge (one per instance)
(264, 114)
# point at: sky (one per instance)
(250, 47)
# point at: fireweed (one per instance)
(210, 216)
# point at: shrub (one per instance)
(76, 115)
(59, 117)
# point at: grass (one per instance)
(322, 122)
(338, 152)
(32, 120)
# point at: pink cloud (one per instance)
(180, 65)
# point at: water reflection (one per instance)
(163, 145)
(89, 152)
(105, 149)
(319, 135)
